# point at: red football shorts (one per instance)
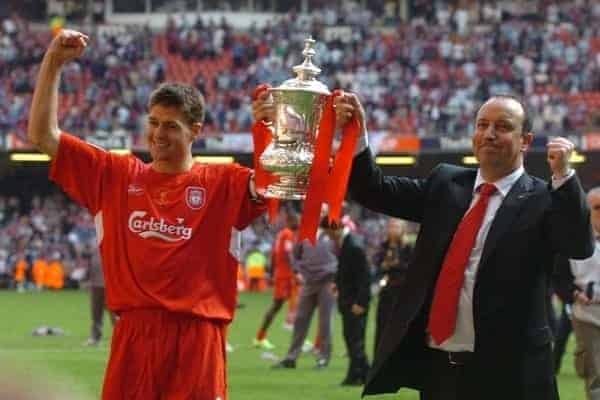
(161, 355)
(283, 289)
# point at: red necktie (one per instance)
(442, 316)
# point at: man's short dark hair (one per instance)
(188, 99)
(324, 224)
(526, 126)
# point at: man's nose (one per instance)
(161, 130)
(490, 132)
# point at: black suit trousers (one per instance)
(354, 329)
(448, 382)
(385, 310)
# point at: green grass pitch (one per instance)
(67, 363)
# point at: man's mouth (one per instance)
(488, 147)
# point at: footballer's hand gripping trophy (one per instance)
(298, 105)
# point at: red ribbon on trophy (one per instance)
(328, 184)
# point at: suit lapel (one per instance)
(461, 190)
(509, 210)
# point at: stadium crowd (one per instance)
(44, 243)
(424, 77)
(36, 233)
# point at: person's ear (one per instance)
(196, 130)
(526, 141)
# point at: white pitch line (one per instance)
(91, 351)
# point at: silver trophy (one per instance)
(298, 107)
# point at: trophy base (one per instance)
(288, 188)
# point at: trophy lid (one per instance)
(306, 73)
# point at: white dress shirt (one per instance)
(585, 271)
(463, 338)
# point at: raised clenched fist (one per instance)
(68, 45)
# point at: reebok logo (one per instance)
(135, 190)
(150, 227)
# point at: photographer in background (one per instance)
(581, 284)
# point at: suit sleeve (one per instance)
(563, 279)
(396, 196)
(569, 228)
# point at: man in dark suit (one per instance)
(353, 285)
(470, 322)
(391, 260)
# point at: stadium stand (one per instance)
(419, 78)
(423, 77)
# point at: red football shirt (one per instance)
(283, 245)
(166, 240)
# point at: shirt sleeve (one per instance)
(78, 169)
(362, 143)
(248, 209)
(558, 182)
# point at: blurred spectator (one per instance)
(256, 265)
(22, 276)
(41, 273)
(353, 287)
(317, 266)
(91, 258)
(54, 276)
(391, 261)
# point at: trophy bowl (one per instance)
(298, 107)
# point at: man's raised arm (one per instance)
(43, 130)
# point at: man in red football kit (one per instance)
(167, 233)
(284, 277)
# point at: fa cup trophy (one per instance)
(299, 105)
(293, 155)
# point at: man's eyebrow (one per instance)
(502, 119)
(166, 121)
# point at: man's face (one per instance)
(395, 228)
(594, 203)
(498, 141)
(334, 233)
(292, 221)
(169, 135)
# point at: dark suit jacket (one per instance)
(512, 357)
(352, 278)
(563, 280)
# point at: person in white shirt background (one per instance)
(582, 283)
